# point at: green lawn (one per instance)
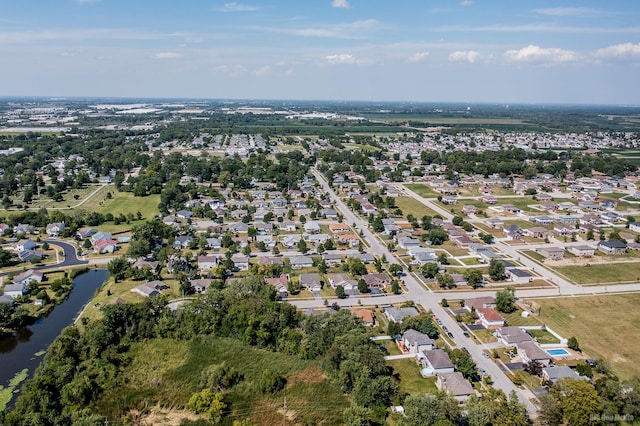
(410, 205)
(601, 273)
(410, 379)
(605, 326)
(123, 202)
(422, 190)
(543, 336)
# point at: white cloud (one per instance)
(568, 11)
(167, 55)
(238, 7)
(539, 54)
(465, 3)
(620, 51)
(418, 57)
(264, 70)
(348, 30)
(341, 58)
(341, 4)
(464, 56)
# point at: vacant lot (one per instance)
(123, 202)
(410, 205)
(422, 190)
(601, 273)
(606, 327)
(410, 379)
(165, 372)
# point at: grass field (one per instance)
(410, 379)
(166, 372)
(604, 273)
(543, 336)
(123, 202)
(605, 326)
(410, 205)
(422, 190)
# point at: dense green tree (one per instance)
(506, 300)
(497, 270)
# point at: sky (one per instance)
(524, 51)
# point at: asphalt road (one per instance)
(419, 295)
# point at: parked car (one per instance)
(466, 334)
(450, 334)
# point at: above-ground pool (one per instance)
(557, 352)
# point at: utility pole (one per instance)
(284, 419)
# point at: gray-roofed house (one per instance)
(416, 342)
(15, 290)
(456, 385)
(299, 262)
(200, 285)
(512, 335)
(530, 351)
(553, 374)
(311, 282)
(612, 246)
(398, 314)
(437, 361)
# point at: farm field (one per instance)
(605, 326)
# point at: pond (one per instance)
(21, 353)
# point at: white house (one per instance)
(416, 342)
(54, 229)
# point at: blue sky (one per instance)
(412, 50)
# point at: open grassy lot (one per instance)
(123, 202)
(410, 205)
(422, 190)
(604, 273)
(543, 336)
(166, 372)
(605, 326)
(410, 379)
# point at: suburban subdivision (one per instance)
(320, 263)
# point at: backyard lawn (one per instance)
(410, 379)
(605, 326)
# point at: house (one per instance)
(351, 239)
(436, 361)
(24, 244)
(149, 289)
(368, 208)
(511, 336)
(513, 232)
(105, 245)
(206, 263)
(311, 282)
(398, 314)
(564, 230)
(416, 342)
(28, 276)
(449, 200)
(612, 246)
(539, 232)
(366, 315)
(489, 199)
(214, 243)
(342, 279)
(15, 290)
(377, 280)
(287, 226)
(553, 253)
(456, 385)
(182, 242)
(299, 262)
(29, 255)
(519, 276)
(489, 318)
(479, 302)
(408, 242)
(184, 214)
(280, 283)
(582, 251)
(238, 228)
(84, 233)
(270, 260)
(495, 223)
(54, 229)
(141, 263)
(530, 351)
(469, 209)
(339, 228)
(634, 226)
(200, 285)
(330, 213)
(553, 374)
(311, 227)
(241, 262)
(331, 259)
(100, 235)
(462, 242)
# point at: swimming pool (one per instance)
(557, 352)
